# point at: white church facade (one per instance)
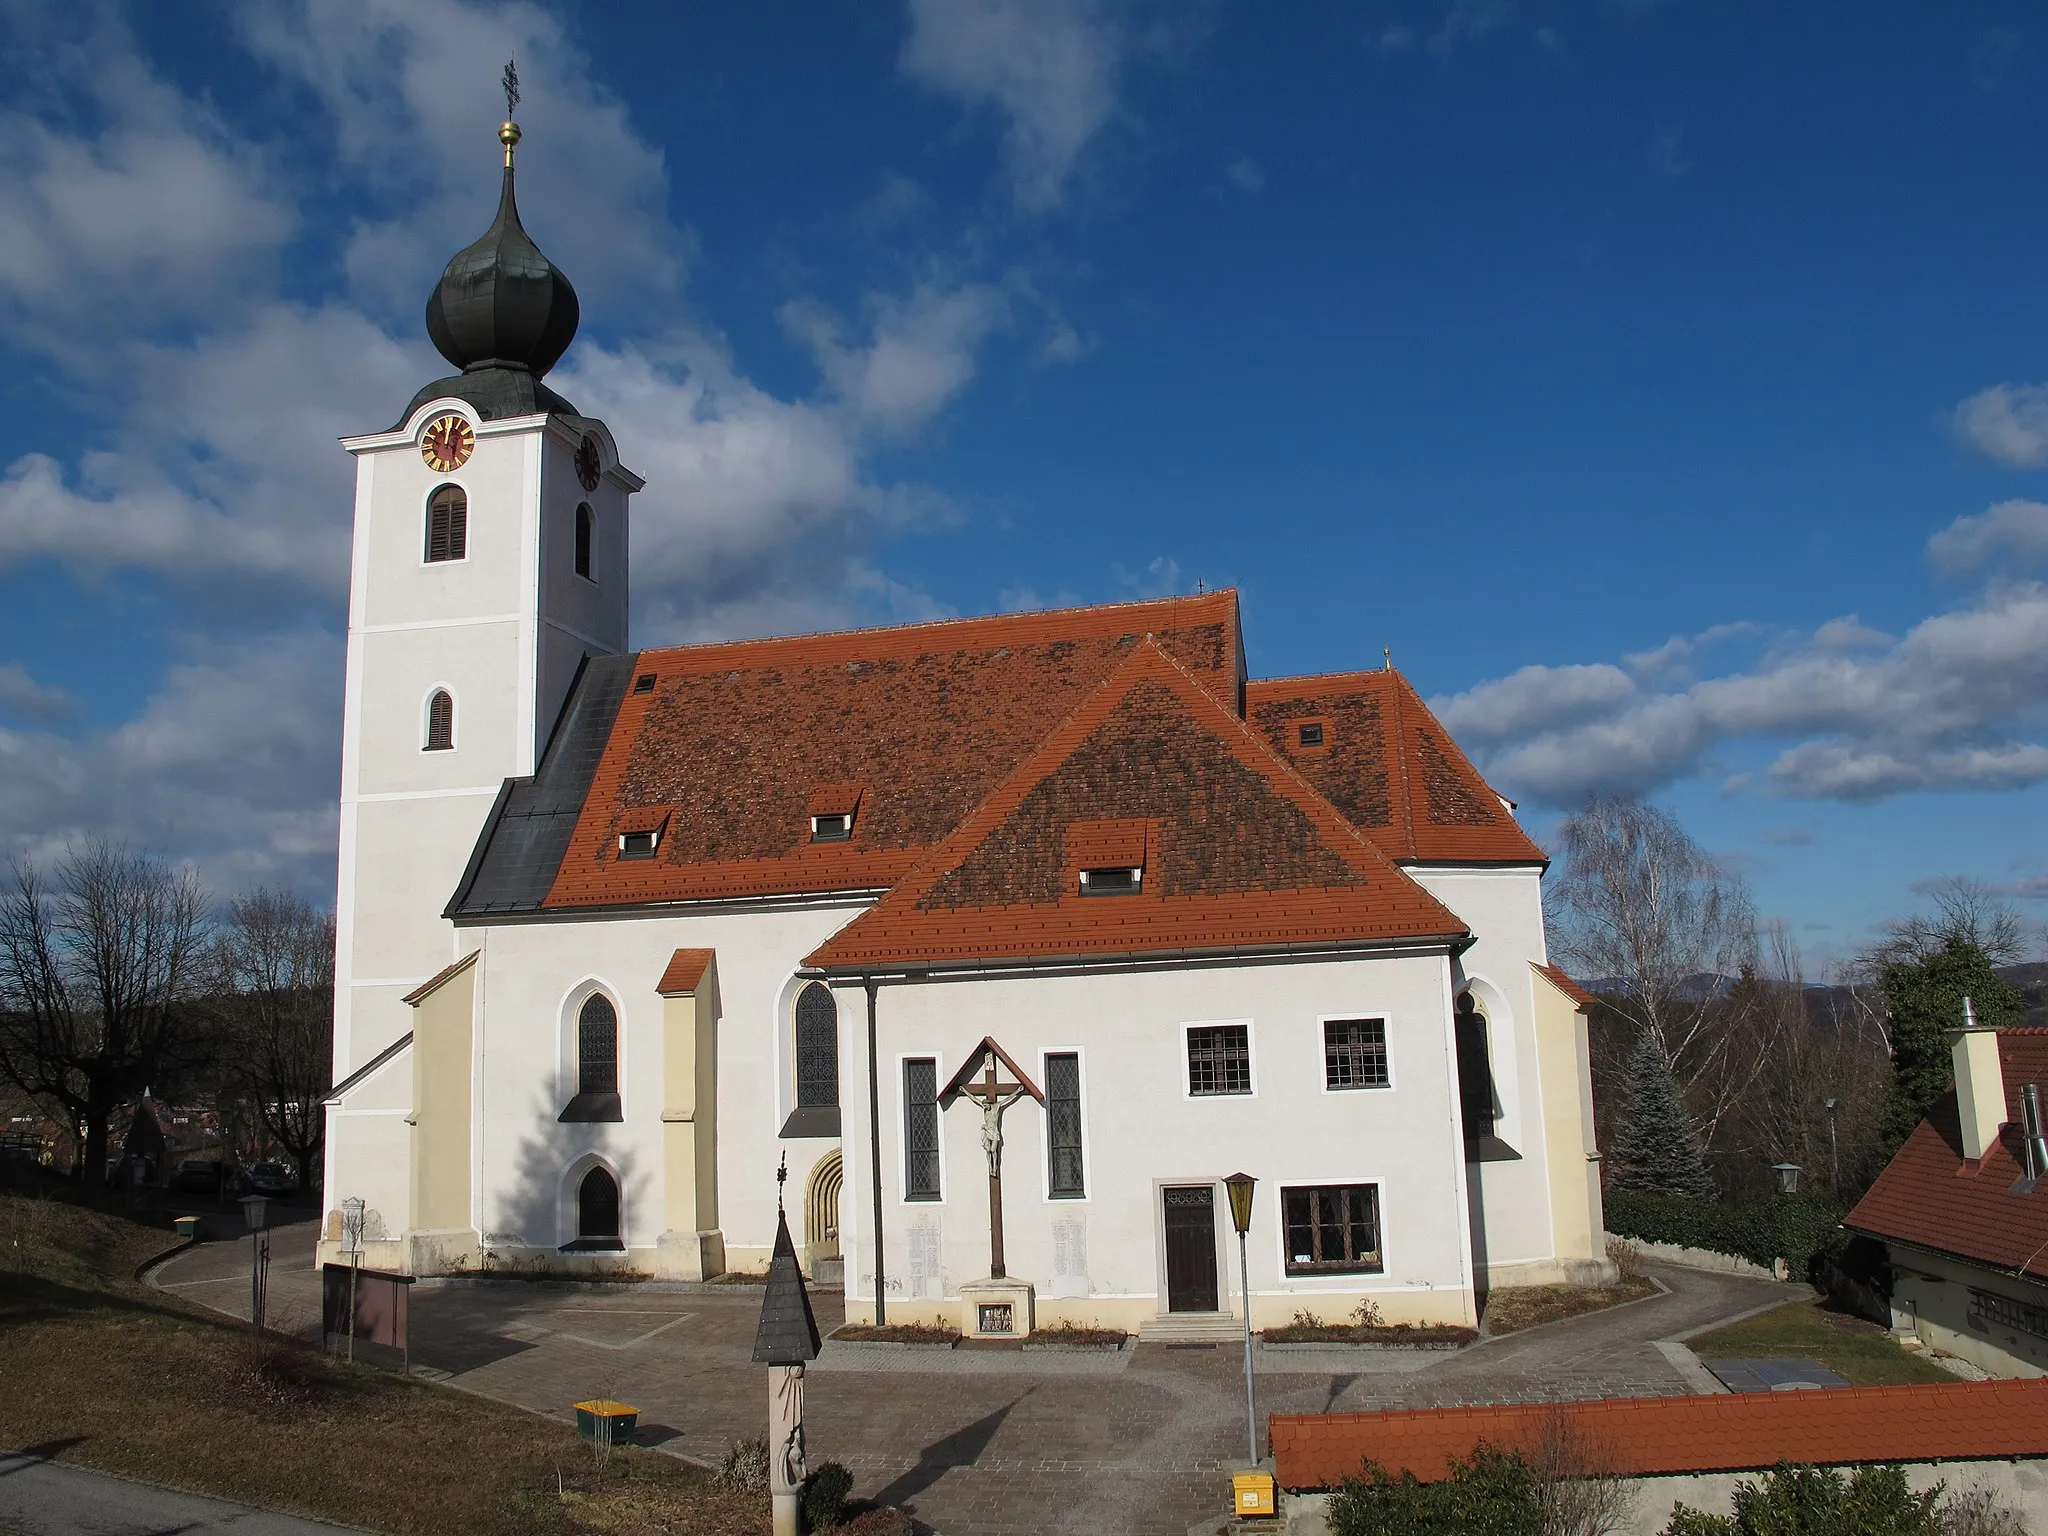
(621, 931)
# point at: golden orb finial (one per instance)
(508, 135)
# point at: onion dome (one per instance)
(501, 303)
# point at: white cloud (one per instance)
(919, 354)
(1245, 174)
(21, 694)
(2014, 533)
(1469, 20)
(1048, 68)
(2007, 422)
(1951, 705)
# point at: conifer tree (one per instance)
(1924, 997)
(1656, 1149)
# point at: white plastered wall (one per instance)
(1143, 1131)
(1931, 1301)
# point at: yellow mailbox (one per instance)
(1252, 1494)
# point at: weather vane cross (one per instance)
(511, 84)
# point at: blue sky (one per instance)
(1661, 381)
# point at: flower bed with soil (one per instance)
(897, 1335)
(1069, 1336)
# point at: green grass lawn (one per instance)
(108, 1373)
(1860, 1352)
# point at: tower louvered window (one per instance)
(586, 529)
(817, 1048)
(921, 1129)
(1063, 1124)
(447, 525)
(440, 722)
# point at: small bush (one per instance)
(1626, 1257)
(1495, 1493)
(274, 1369)
(1980, 1512)
(825, 1492)
(745, 1468)
(1367, 1315)
(1819, 1501)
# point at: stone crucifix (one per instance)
(994, 1096)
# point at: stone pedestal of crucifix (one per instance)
(998, 1307)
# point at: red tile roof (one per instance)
(432, 984)
(686, 968)
(1390, 767)
(1931, 1195)
(925, 719)
(1246, 855)
(1568, 987)
(1648, 1436)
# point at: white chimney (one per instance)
(1980, 1084)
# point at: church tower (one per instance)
(489, 561)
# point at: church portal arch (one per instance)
(821, 1208)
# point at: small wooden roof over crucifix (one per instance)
(980, 1076)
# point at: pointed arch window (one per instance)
(817, 1064)
(597, 1063)
(447, 525)
(440, 722)
(1478, 1096)
(597, 1214)
(586, 538)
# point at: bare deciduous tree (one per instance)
(1965, 910)
(1643, 912)
(274, 983)
(98, 966)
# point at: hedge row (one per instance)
(1795, 1228)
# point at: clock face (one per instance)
(447, 443)
(588, 465)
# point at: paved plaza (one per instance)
(973, 1442)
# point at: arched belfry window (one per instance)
(597, 1213)
(586, 533)
(440, 723)
(817, 1064)
(447, 525)
(597, 1062)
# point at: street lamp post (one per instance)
(1239, 1186)
(1788, 1177)
(256, 1212)
(1834, 1154)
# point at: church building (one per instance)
(1015, 937)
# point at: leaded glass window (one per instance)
(597, 1046)
(817, 1048)
(1220, 1059)
(1332, 1228)
(1063, 1122)
(1355, 1053)
(921, 1129)
(1475, 1070)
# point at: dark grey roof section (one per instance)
(522, 844)
(498, 395)
(788, 1334)
(334, 1094)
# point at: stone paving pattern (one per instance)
(975, 1451)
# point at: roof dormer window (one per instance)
(1311, 734)
(641, 830)
(1120, 881)
(834, 809)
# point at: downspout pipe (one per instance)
(875, 1153)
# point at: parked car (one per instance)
(273, 1179)
(200, 1175)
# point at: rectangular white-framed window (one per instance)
(1066, 1173)
(923, 1165)
(1216, 1060)
(1356, 1054)
(1331, 1229)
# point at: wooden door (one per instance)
(1191, 1248)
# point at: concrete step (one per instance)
(1192, 1328)
(829, 1272)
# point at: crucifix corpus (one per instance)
(994, 1096)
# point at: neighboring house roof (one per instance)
(1390, 767)
(926, 719)
(1240, 853)
(434, 983)
(1571, 989)
(1641, 1437)
(1931, 1196)
(686, 968)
